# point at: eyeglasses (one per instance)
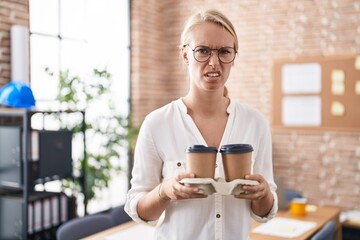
(203, 53)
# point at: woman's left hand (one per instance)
(257, 192)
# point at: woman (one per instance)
(205, 116)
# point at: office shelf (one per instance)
(29, 156)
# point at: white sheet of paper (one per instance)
(301, 111)
(337, 82)
(139, 231)
(357, 62)
(338, 87)
(357, 87)
(284, 227)
(337, 108)
(301, 78)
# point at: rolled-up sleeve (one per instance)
(146, 173)
(263, 165)
(272, 212)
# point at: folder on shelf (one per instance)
(46, 213)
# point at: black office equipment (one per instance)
(55, 154)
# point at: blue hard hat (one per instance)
(17, 94)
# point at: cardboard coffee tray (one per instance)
(209, 186)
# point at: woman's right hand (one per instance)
(174, 190)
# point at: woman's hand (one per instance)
(257, 192)
(174, 190)
(261, 197)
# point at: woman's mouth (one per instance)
(212, 74)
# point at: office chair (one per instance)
(291, 194)
(78, 228)
(285, 195)
(119, 215)
(327, 232)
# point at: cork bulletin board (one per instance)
(317, 93)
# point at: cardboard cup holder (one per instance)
(209, 186)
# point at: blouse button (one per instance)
(218, 215)
(216, 165)
(179, 164)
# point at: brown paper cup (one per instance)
(236, 160)
(201, 161)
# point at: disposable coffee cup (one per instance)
(236, 160)
(201, 161)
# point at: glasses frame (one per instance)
(210, 54)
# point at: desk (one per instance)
(351, 230)
(350, 224)
(108, 232)
(321, 215)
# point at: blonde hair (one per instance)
(212, 16)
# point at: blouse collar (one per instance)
(183, 107)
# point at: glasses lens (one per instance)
(202, 54)
(226, 54)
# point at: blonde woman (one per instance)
(204, 116)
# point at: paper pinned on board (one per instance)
(301, 111)
(338, 82)
(357, 62)
(301, 78)
(337, 109)
(357, 87)
(284, 227)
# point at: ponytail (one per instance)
(226, 92)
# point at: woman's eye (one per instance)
(204, 51)
(223, 51)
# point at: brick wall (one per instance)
(11, 13)
(324, 165)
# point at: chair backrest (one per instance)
(326, 232)
(119, 215)
(285, 195)
(84, 226)
(291, 194)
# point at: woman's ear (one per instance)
(184, 55)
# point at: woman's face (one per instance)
(212, 74)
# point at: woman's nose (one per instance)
(214, 59)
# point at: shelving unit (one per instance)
(20, 145)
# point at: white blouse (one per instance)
(160, 154)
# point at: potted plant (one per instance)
(111, 131)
